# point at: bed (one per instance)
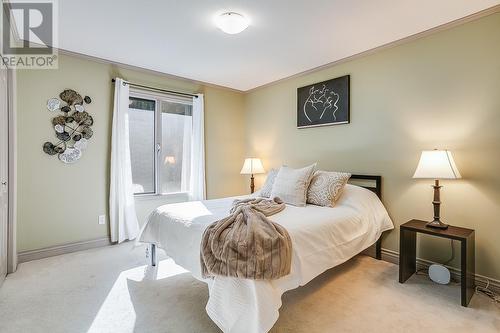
(322, 238)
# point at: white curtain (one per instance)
(123, 218)
(197, 181)
(187, 143)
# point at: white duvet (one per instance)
(322, 238)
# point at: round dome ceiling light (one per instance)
(231, 22)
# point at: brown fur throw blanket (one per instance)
(246, 244)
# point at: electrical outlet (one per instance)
(102, 219)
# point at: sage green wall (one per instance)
(59, 203)
(441, 91)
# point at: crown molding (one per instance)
(143, 70)
(440, 28)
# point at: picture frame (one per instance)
(324, 103)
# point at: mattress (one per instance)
(322, 238)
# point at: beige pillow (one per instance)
(291, 185)
(326, 187)
(265, 190)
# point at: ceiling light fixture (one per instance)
(231, 22)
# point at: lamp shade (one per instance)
(437, 164)
(252, 166)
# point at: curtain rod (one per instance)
(159, 89)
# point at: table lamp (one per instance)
(436, 164)
(252, 166)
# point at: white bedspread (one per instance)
(321, 238)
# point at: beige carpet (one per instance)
(112, 290)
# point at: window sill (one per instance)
(184, 196)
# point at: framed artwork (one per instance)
(323, 104)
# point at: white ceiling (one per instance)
(284, 38)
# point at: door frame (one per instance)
(12, 173)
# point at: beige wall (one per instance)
(59, 203)
(441, 91)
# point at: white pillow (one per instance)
(265, 190)
(326, 187)
(291, 185)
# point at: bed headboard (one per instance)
(372, 183)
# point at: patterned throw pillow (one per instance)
(326, 187)
(265, 190)
(291, 184)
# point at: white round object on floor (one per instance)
(439, 274)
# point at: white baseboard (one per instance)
(52, 251)
(393, 257)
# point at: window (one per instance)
(160, 128)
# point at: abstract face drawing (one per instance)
(320, 102)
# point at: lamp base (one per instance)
(252, 184)
(437, 225)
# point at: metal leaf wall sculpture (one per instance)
(72, 128)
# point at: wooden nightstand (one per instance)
(408, 250)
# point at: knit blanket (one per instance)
(246, 244)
